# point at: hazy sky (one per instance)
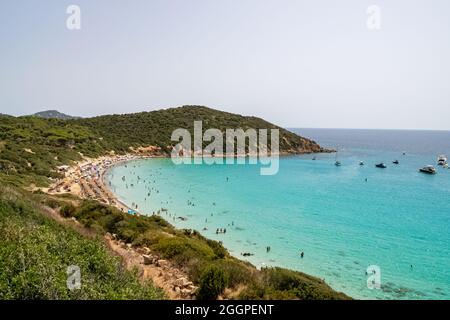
(296, 63)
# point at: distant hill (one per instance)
(54, 114)
(155, 128)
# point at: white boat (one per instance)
(428, 169)
(442, 160)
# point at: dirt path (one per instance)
(162, 273)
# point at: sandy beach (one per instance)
(85, 179)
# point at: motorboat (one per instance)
(337, 163)
(381, 165)
(395, 162)
(428, 169)
(361, 163)
(442, 160)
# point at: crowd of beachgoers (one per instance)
(85, 179)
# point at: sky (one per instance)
(295, 63)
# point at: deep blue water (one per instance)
(343, 218)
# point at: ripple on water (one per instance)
(401, 292)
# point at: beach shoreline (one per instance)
(86, 178)
(99, 168)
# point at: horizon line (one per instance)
(379, 129)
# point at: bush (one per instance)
(172, 247)
(67, 210)
(52, 203)
(278, 283)
(218, 249)
(237, 272)
(213, 282)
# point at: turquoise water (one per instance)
(399, 219)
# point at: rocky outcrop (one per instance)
(162, 272)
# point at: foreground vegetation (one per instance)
(35, 250)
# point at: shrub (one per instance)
(213, 282)
(172, 247)
(52, 203)
(237, 272)
(279, 283)
(67, 210)
(218, 249)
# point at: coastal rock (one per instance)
(186, 292)
(123, 245)
(147, 250)
(180, 282)
(147, 259)
(193, 288)
(162, 263)
(183, 282)
(141, 251)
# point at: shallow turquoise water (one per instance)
(398, 219)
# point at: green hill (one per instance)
(156, 127)
(53, 114)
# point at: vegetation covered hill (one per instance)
(31, 148)
(53, 114)
(155, 128)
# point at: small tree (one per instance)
(213, 282)
(67, 210)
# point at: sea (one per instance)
(369, 232)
